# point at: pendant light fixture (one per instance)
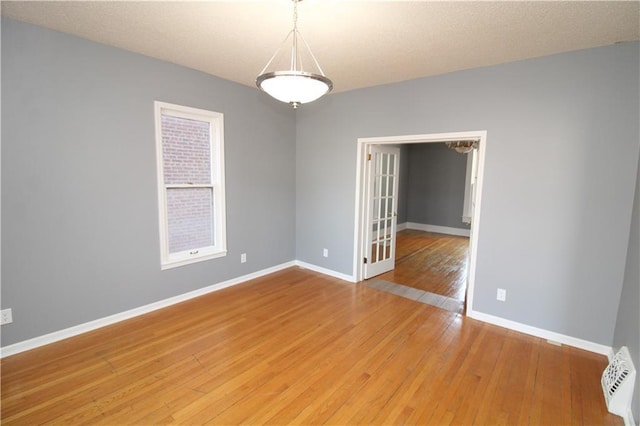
(296, 85)
(462, 147)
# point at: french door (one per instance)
(382, 208)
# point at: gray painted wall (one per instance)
(79, 195)
(560, 172)
(435, 194)
(627, 332)
(403, 183)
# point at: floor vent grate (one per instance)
(618, 381)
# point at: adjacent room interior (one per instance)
(182, 242)
(434, 213)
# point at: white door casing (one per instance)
(360, 218)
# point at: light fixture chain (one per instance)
(311, 53)
(294, 46)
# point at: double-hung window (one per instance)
(190, 161)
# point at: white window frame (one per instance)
(470, 186)
(219, 248)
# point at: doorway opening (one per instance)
(367, 214)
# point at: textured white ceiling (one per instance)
(358, 43)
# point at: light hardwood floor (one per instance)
(297, 347)
(432, 262)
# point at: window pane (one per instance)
(190, 218)
(186, 151)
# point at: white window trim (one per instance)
(470, 186)
(219, 249)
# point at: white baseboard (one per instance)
(325, 271)
(401, 226)
(438, 229)
(545, 334)
(112, 319)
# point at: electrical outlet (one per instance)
(325, 252)
(243, 258)
(502, 295)
(6, 317)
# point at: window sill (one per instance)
(182, 262)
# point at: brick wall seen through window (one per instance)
(186, 154)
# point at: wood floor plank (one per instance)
(298, 347)
(372, 353)
(432, 262)
(433, 393)
(387, 371)
(415, 386)
(496, 405)
(462, 385)
(587, 401)
(336, 359)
